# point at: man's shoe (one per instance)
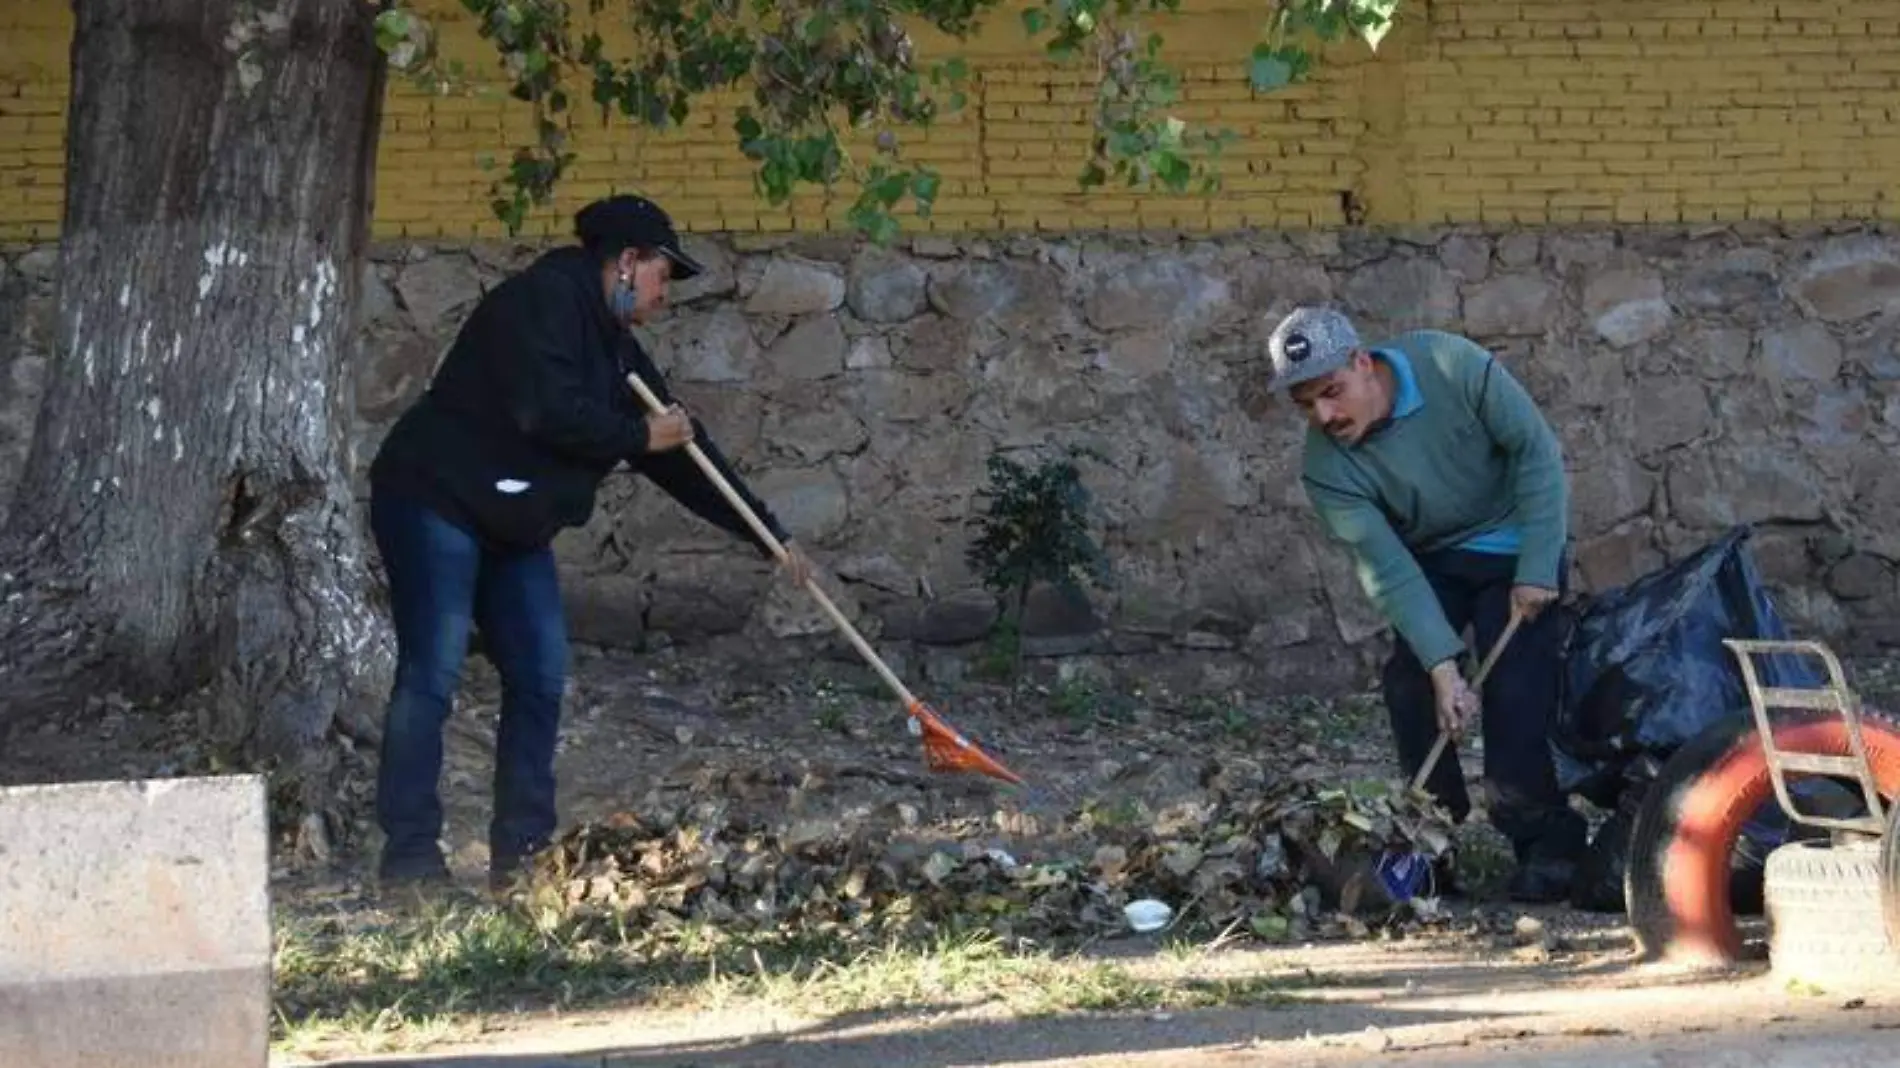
(428, 872)
(1542, 882)
(429, 868)
(505, 873)
(501, 878)
(510, 862)
(419, 892)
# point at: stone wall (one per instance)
(1697, 378)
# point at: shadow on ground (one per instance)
(1346, 1015)
(969, 1042)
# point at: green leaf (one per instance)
(1035, 20)
(816, 158)
(891, 188)
(1268, 71)
(1373, 19)
(775, 180)
(1127, 142)
(876, 224)
(392, 28)
(1174, 171)
(1270, 925)
(924, 185)
(817, 27)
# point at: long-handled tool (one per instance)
(945, 748)
(1404, 873)
(1477, 683)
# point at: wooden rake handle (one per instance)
(765, 535)
(1477, 682)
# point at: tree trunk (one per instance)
(185, 522)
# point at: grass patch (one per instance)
(366, 1029)
(967, 970)
(1085, 702)
(1348, 720)
(411, 981)
(1227, 714)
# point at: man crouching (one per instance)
(1437, 471)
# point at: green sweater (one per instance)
(1467, 461)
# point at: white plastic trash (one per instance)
(1147, 914)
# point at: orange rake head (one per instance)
(946, 749)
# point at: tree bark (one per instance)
(185, 522)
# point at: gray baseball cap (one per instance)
(1310, 343)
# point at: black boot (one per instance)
(1543, 880)
(428, 870)
(1548, 841)
(508, 868)
(407, 883)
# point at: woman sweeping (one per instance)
(528, 412)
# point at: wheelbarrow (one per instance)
(1832, 894)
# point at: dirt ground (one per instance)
(1430, 1002)
(820, 740)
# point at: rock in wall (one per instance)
(1697, 378)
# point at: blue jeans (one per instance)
(442, 582)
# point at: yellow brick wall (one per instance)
(1655, 110)
(35, 36)
(1495, 111)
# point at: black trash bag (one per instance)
(1645, 669)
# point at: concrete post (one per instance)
(135, 924)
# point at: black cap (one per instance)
(614, 223)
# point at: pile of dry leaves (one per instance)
(1280, 858)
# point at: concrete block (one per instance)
(135, 924)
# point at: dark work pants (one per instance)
(1519, 704)
(441, 583)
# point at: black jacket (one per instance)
(530, 411)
